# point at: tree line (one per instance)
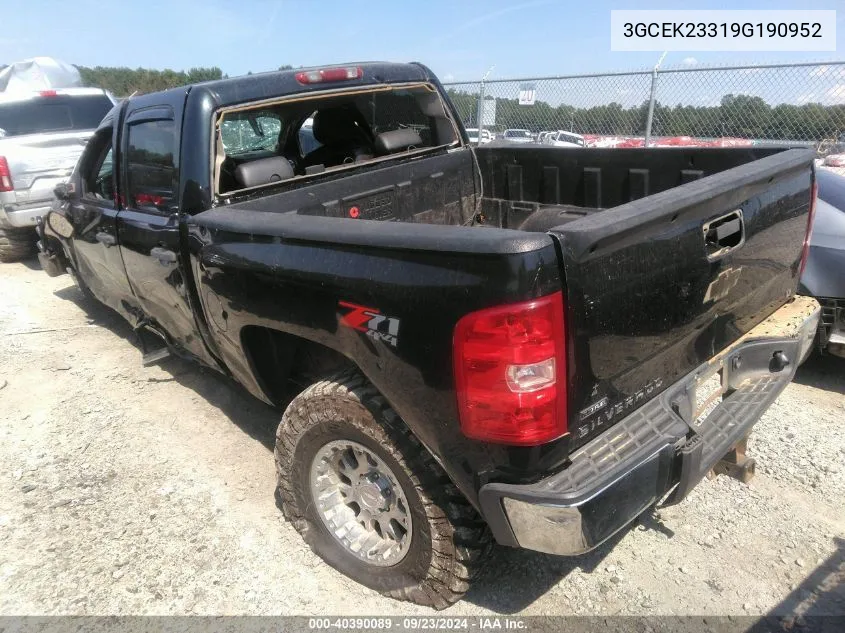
(741, 116)
(122, 82)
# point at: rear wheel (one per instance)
(16, 244)
(370, 500)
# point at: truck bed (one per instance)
(647, 297)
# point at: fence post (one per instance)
(481, 102)
(650, 107)
(651, 100)
(479, 120)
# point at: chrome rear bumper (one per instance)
(18, 215)
(658, 449)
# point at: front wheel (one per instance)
(370, 500)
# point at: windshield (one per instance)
(518, 134)
(53, 114)
(250, 132)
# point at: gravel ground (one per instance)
(132, 490)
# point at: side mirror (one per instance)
(59, 225)
(64, 190)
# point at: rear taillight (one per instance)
(510, 372)
(805, 251)
(48, 93)
(147, 199)
(5, 176)
(329, 74)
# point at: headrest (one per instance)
(397, 140)
(338, 125)
(263, 171)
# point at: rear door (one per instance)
(149, 224)
(93, 213)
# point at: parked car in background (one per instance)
(834, 160)
(824, 274)
(472, 133)
(518, 136)
(542, 136)
(562, 138)
(42, 135)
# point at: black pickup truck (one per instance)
(522, 343)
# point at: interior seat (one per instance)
(343, 135)
(263, 171)
(397, 141)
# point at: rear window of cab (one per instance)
(60, 113)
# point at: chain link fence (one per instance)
(801, 103)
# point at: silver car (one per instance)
(42, 134)
(517, 135)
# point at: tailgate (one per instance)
(38, 162)
(660, 285)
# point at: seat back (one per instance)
(263, 171)
(397, 141)
(343, 135)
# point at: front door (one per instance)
(148, 225)
(93, 212)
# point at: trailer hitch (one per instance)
(736, 464)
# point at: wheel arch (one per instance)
(276, 358)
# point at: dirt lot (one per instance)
(131, 490)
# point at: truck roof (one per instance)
(266, 85)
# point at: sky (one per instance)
(458, 39)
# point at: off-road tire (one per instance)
(16, 244)
(449, 540)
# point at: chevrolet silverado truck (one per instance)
(522, 343)
(42, 135)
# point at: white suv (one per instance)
(562, 138)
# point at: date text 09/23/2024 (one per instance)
(481, 623)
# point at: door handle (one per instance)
(163, 255)
(107, 239)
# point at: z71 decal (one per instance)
(371, 322)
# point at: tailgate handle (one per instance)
(724, 234)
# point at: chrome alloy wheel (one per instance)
(361, 503)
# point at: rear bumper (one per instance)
(15, 214)
(657, 450)
(832, 326)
